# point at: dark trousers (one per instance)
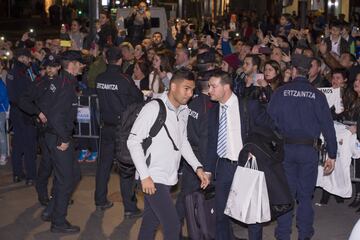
(224, 176)
(189, 183)
(45, 168)
(301, 168)
(159, 209)
(24, 145)
(103, 171)
(67, 176)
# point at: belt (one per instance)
(230, 161)
(301, 141)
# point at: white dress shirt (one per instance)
(234, 141)
(335, 45)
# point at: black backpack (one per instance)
(123, 128)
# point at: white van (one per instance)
(159, 22)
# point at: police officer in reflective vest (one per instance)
(61, 115)
(115, 91)
(301, 113)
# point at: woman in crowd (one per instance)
(141, 75)
(272, 74)
(351, 113)
(76, 36)
(140, 53)
(159, 78)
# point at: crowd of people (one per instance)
(273, 65)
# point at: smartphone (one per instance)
(355, 30)
(65, 43)
(257, 77)
(31, 33)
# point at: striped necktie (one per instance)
(222, 136)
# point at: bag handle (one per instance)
(251, 162)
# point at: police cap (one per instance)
(298, 60)
(72, 55)
(22, 52)
(206, 57)
(51, 60)
(113, 54)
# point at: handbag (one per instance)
(248, 200)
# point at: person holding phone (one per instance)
(251, 82)
(137, 23)
(159, 78)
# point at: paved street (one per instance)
(20, 214)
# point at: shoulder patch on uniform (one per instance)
(52, 87)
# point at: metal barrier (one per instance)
(88, 117)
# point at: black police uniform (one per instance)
(33, 102)
(115, 91)
(197, 129)
(61, 114)
(24, 142)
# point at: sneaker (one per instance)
(92, 157)
(83, 155)
(3, 160)
(321, 204)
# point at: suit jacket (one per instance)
(344, 45)
(253, 114)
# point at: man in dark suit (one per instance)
(229, 123)
(335, 43)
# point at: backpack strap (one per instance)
(160, 122)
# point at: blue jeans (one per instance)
(3, 137)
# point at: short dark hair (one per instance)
(158, 33)
(255, 59)
(336, 24)
(317, 60)
(225, 77)
(181, 75)
(301, 71)
(341, 71)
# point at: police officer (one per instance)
(61, 114)
(33, 102)
(301, 113)
(24, 143)
(115, 91)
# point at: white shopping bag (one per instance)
(248, 200)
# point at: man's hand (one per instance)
(352, 129)
(63, 146)
(42, 117)
(329, 166)
(148, 186)
(204, 178)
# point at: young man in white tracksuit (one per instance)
(161, 172)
